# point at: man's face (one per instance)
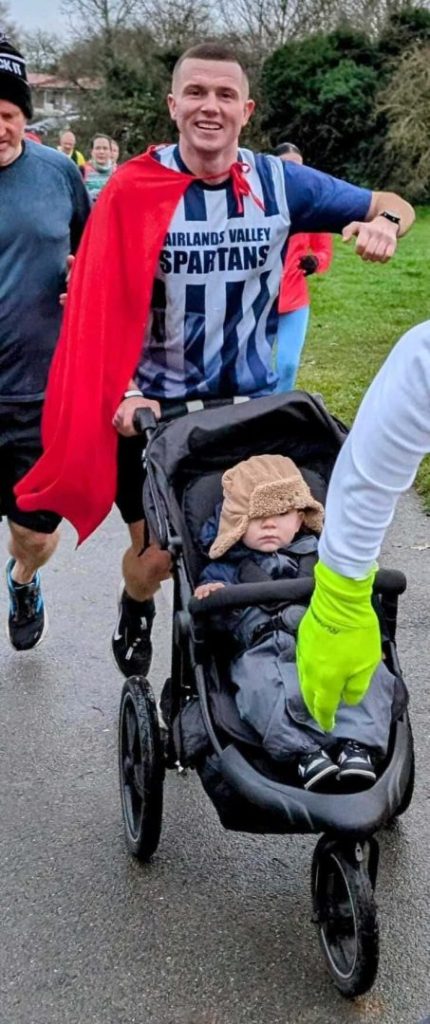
(209, 102)
(12, 124)
(101, 152)
(115, 151)
(67, 142)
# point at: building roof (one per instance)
(41, 80)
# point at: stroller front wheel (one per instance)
(345, 913)
(141, 768)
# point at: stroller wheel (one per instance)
(345, 913)
(141, 768)
(409, 788)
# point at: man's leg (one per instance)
(30, 549)
(143, 572)
(33, 536)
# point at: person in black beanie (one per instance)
(44, 207)
(14, 87)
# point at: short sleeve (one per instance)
(319, 202)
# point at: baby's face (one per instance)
(273, 532)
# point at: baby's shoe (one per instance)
(314, 769)
(356, 767)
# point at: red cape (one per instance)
(100, 344)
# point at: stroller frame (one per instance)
(345, 860)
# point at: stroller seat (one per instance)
(199, 500)
(185, 461)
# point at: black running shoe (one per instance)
(314, 769)
(131, 641)
(28, 621)
(356, 766)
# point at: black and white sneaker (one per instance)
(27, 621)
(131, 641)
(314, 769)
(355, 765)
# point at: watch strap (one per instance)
(392, 217)
(133, 393)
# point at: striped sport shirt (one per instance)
(214, 314)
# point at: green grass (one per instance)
(359, 310)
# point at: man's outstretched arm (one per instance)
(387, 219)
(339, 646)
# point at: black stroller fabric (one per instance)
(198, 448)
(185, 462)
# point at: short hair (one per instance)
(210, 51)
(100, 135)
(67, 131)
(287, 147)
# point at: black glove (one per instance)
(309, 264)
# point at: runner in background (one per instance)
(307, 254)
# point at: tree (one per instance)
(7, 26)
(42, 50)
(131, 82)
(403, 29)
(261, 26)
(320, 94)
(405, 102)
(369, 14)
(177, 24)
(101, 15)
(130, 106)
(131, 62)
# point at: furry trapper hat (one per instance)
(264, 485)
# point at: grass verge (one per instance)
(359, 311)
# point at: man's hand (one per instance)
(63, 295)
(376, 239)
(309, 264)
(123, 419)
(207, 588)
(339, 644)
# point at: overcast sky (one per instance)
(44, 14)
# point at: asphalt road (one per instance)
(217, 930)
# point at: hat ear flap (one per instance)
(314, 519)
(228, 535)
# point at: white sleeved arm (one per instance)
(380, 458)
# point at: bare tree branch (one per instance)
(42, 49)
(7, 26)
(406, 104)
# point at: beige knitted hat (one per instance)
(264, 485)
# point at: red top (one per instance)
(294, 292)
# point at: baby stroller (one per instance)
(185, 459)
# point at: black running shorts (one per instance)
(20, 447)
(130, 478)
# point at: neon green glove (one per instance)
(339, 644)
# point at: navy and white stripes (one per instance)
(214, 306)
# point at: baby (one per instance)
(267, 528)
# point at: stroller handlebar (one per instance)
(389, 583)
(145, 422)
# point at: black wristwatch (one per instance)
(392, 217)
